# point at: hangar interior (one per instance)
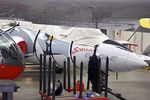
(133, 85)
(43, 41)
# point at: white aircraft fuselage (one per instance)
(121, 58)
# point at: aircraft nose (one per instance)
(135, 62)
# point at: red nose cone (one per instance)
(10, 72)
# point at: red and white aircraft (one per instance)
(11, 58)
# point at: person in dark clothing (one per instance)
(94, 72)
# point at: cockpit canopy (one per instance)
(10, 53)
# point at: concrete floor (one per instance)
(133, 85)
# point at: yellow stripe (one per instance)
(145, 22)
(51, 37)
